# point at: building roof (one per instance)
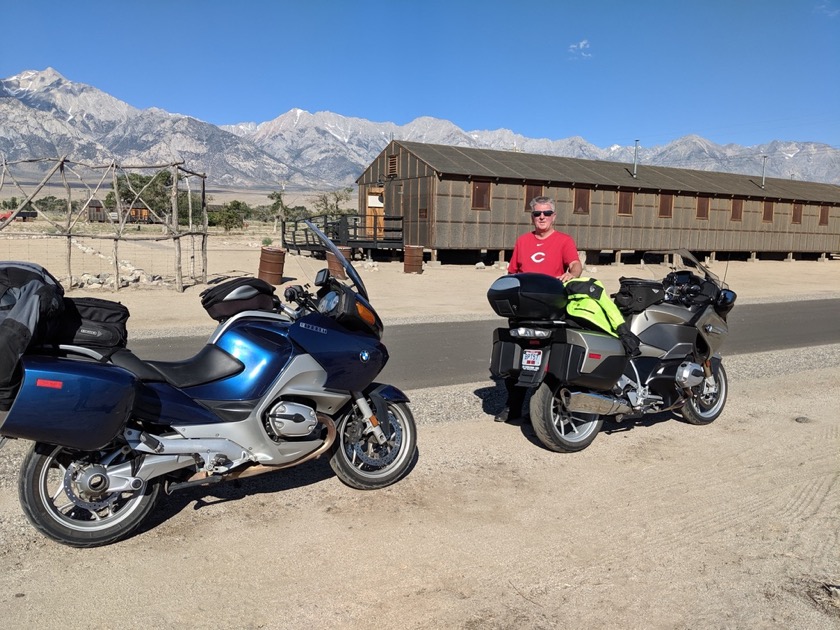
(511, 165)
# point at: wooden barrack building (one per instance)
(456, 198)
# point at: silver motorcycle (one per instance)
(579, 376)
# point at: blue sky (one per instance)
(736, 71)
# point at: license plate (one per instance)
(531, 359)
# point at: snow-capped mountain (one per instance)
(42, 114)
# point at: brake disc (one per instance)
(381, 456)
(80, 486)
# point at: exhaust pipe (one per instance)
(251, 470)
(585, 402)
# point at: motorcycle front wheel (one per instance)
(559, 429)
(707, 403)
(64, 495)
(361, 462)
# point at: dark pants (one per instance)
(516, 398)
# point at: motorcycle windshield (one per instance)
(691, 261)
(687, 255)
(354, 276)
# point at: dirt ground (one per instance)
(659, 524)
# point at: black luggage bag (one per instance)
(238, 295)
(93, 323)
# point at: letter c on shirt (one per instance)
(538, 257)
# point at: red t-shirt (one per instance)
(551, 256)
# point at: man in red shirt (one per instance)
(547, 251)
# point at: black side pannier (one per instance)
(92, 322)
(635, 294)
(236, 296)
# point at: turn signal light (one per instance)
(366, 314)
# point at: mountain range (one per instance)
(43, 114)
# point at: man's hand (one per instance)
(575, 269)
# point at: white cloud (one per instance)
(828, 9)
(581, 49)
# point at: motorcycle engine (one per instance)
(290, 420)
(689, 375)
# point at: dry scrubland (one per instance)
(659, 524)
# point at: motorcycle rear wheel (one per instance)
(61, 509)
(706, 408)
(557, 428)
(361, 462)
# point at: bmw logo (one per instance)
(364, 356)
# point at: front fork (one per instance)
(710, 385)
(370, 418)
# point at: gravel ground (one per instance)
(658, 524)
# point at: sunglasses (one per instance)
(545, 213)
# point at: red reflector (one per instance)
(42, 382)
(594, 355)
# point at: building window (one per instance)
(703, 203)
(823, 215)
(392, 166)
(582, 200)
(532, 191)
(797, 213)
(768, 212)
(625, 203)
(666, 206)
(737, 209)
(481, 195)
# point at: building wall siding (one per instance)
(451, 223)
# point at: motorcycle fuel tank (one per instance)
(263, 347)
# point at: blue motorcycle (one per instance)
(277, 384)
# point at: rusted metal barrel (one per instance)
(336, 270)
(272, 260)
(413, 259)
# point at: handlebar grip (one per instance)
(293, 293)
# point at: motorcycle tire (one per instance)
(58, 507)
(706, 408)
(359, 461)
(558, 429)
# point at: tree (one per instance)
(279, 208)
(155, 192)
(226, 218)
(239, 207)
(330, 203)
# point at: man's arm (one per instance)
(572, 260)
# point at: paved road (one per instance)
(432, 355)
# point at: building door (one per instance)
(375, 214)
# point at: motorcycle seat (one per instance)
(127, 360)
(210, 364)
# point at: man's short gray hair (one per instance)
(541, 201)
